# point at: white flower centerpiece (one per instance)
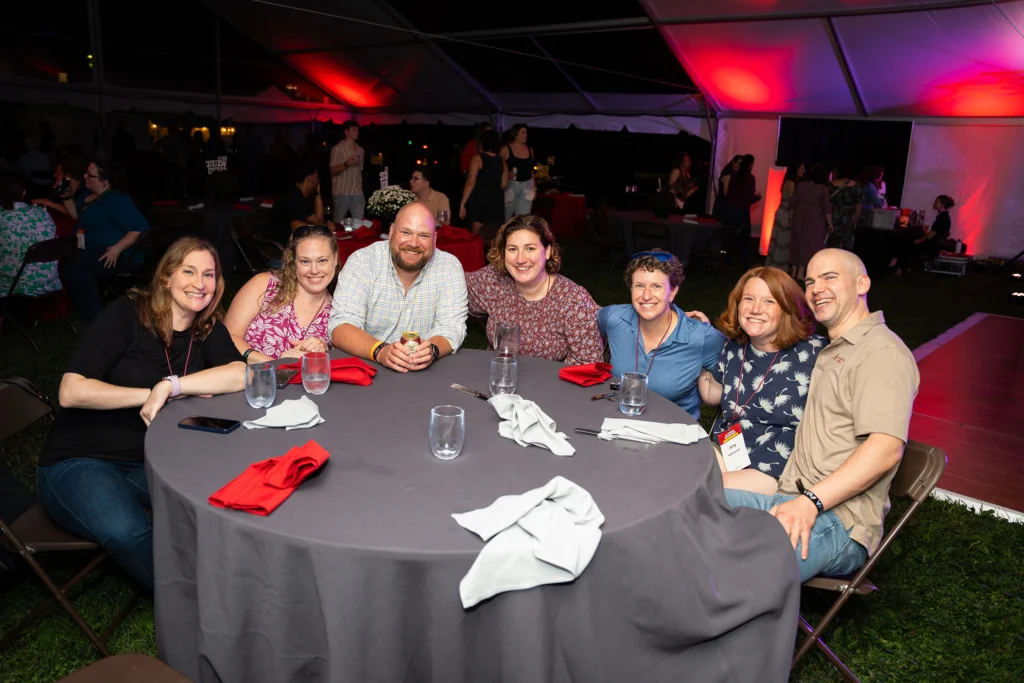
(386, 202)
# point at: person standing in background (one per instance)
(347, 174)
(518, 156)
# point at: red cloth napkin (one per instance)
(345, 370)
(586, 375)
(166, 202)
(377, 226)
(242, 207)
(452, 234)
(264, 485)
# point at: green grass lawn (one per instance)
(951, 604)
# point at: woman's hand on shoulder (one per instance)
(698, 315)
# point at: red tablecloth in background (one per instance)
(461, 244)
(568, 216)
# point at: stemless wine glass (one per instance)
(506, 340)
(633, 393)
(504, 375)
(316, 372)
(447, 431)
(442, 217)
(260, 385)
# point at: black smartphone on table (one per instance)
(217, 425)
(284, 376)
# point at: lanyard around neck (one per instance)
(656, 348)
(188, 355)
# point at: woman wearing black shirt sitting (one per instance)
(160, 342)
(924, 242)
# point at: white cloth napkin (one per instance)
(196, 207)
(525, 423)
(632, 430)
(298, 413)
(547, 535)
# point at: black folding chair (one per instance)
(599, 229)
(33, 532)
(152, 243)
(47, 251)
(918, 475)
(253, 248)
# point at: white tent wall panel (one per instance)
(978, 166)
(759, 137)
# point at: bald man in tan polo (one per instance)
(834, 491)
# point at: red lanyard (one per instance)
(651, 364)
(739, 410)
(187, 356)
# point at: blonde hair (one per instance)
(154, 302)
(288, 274)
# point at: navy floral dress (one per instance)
(770, 416)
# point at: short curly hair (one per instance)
(671, 267)
(535, 224)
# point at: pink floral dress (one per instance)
(562, 326)
(269, 333)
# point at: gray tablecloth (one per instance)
(684, 238)
(356, 576)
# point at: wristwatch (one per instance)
(435, 352)
(175, 385)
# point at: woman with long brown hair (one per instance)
(762, 375)
(160, 342)
(284, 314)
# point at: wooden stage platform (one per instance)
(971, 405)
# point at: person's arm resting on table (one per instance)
(883, 397)
(449, 328)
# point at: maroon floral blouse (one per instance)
(562, 326)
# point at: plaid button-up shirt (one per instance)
(370, 296)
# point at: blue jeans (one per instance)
(105, 501)
(830, 551)
(519, 198)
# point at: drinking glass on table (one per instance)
(504, 375)
(316, 372)
(260, 385)
(442, 217)
(447, 431)
(506, 340)
(350, 224)
(633, 393)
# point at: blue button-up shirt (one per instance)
(676, 363)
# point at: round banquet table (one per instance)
(356, 576)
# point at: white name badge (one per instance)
(80, 237)
(734, 449)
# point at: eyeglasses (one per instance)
(663, 256)
(90, 175)
(305, 230)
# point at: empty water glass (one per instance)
(350, 224)
(447, 431)
(442, 217)
(260, 385)
(504, 375)
(506, 340)
(633, 393)
(316, 372)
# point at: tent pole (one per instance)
(844, 65)
(96, 46)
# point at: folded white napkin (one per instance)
(633, 430)
(366, 223)
(245, 199)
(266, 205)
(525, 423)
(297, 413)
(196, 207)
(547, 535)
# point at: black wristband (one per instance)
(245, 356)
(376, 352)
(807, 493)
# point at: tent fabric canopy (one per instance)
(667, 58)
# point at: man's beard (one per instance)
(396, 258)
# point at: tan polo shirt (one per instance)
(863, 383)
(350, 181)
(437, 201)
